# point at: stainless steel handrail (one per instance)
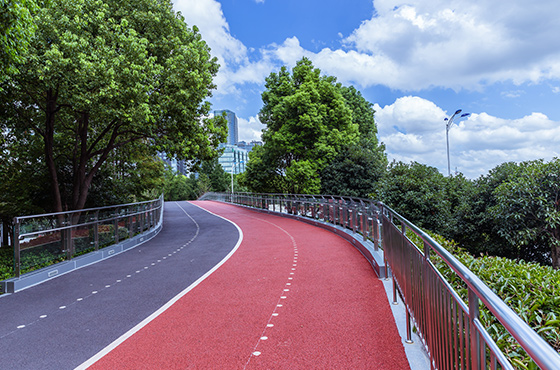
(449, 328)
(138, 216)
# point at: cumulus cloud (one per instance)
(416, 44)
(413, 129)
(407, 45)
(250, 129)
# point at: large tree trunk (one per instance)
(48, 138)
(83, 178)
(80, 189)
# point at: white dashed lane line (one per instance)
(283, 295)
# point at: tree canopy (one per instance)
(310, 120)
(16, 30)
(528, 206)
(102, 75)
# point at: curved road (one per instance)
(61, 323)
(286, 295)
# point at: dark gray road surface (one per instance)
(63, 322)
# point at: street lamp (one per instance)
(448, 124)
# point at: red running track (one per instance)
(293, 296)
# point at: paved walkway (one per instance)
(289, 296)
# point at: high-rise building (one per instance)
(234, 159)
(233, 131)
(177, 166)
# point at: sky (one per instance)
(416, 61)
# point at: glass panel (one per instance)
(41, 250)
(83, 238)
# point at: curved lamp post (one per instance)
(449, 122)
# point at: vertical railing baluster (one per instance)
(96, 231)
(474, 337)
(17, 252)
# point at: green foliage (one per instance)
(178, 187)
(310, 120)
(219, 180)
(6, 263)
(211, 177)
(418, 192)
(354, 172)
(528, 207)
(16, 29)
(102, 75)
(303, 177)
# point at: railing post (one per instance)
(96, 231)
(426, 299)
(17, 254)
(364, 226)
(116, 225)
(67, 238)
(474, 314)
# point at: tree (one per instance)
(178, 187)
(310, 121)
(528, 204)
(475, 228)
(219, 179)
(355, 172)
(418, 192)
(357, 168)
(101, 75)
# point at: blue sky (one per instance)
(417, 61)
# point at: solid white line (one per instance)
(162, 309)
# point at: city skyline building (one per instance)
(177, 166)
(234, 159)
(249, 146)
(232, 123)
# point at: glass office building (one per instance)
(234, 159)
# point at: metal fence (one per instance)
(41, 240)
(448, 325)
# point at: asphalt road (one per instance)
(63, 322)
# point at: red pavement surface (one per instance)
(293, 296)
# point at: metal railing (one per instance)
(450, 329)
(41, 240)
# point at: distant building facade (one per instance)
(249, 146)
(234, 159)
(233, 130)
(177, 166)
(236, 153)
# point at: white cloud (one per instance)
(250, 129)
(413, 45)
(408, 45)
(413, 129)
(458, 44)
